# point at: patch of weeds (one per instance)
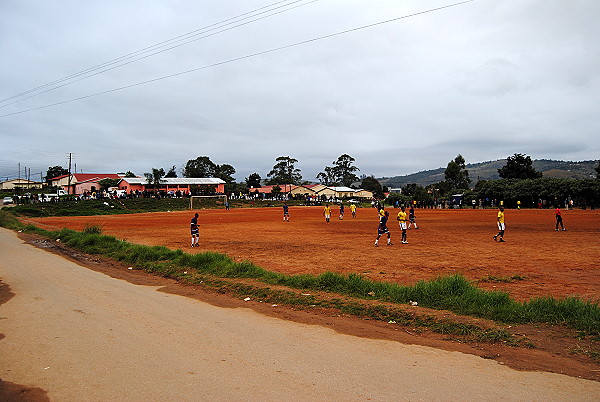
(92, 229)
(589, 351)
(502, 279)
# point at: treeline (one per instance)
(284, 172)
(547, 191)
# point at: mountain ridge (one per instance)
(489, 170)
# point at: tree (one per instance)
(107, 183)
(410, 189)
(225, 172)
(519, 166)
(253, 180)
(55, 171)
(440, 189)
(327, 177)
(155, 177)
(202, 166)
(171, 172)
(597, 169)
(456, 173)
(284, 171)
(344, 169)
(130, 174)
(371, 184)
(342, 172)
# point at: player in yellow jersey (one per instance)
(327, 213)
(501, 225)
(401, 218)
(353, 210)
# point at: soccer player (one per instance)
(286, 212)
(401, 218)
(195, 230)
(327, 213)
(341, 211)
(353, 210)
(559, 219)
(501, 225)
(382, 228)
(411, 217)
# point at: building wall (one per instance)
(326, 192)
(363, 194)
(128, 187)
(22, 183)
(88, 187)
(343, 194)
(301, 190)
(63, 182)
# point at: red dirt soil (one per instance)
(447, 242)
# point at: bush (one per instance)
(92, 229)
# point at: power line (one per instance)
(152, 48)
(239, 58)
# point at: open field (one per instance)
(535, 260)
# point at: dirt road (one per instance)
(81, 335)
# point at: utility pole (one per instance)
(69, 187)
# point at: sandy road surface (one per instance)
(81, 335)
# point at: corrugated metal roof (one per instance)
(343, 189)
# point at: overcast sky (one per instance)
(485, 79)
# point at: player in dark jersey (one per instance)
(286, 212)
(195, 231)
(411, 217)
(382, 228)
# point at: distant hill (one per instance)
(489, 170)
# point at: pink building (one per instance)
(183, 184)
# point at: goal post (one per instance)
(200, 197)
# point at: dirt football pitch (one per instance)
(535, 260)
